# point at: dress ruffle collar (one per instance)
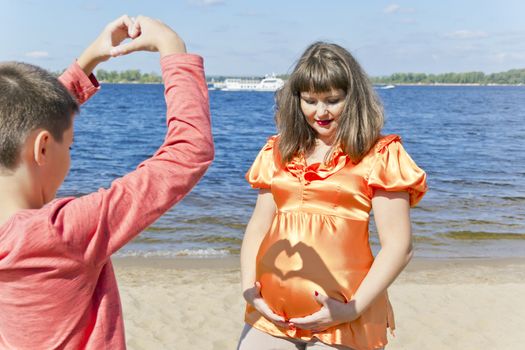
(317, 171)
(320, 171)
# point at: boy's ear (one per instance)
(41, 147)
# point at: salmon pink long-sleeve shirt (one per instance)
(57, 285)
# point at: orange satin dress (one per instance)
(318, 240)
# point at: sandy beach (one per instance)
(439, 304)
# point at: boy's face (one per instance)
(59, 164)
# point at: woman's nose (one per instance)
(322, 109)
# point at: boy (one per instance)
(57, 286)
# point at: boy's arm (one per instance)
(78, 78)
(102, 222)
(78, 83)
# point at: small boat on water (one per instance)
(386, 87)
(269, 83)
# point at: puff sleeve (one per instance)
(394, 170)
(260, 173)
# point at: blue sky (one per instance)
(257, 37)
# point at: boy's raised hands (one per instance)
(149, 34)
(100, 49)
(146, 34)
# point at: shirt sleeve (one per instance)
(81, 86)
(395, 171)
(102, 222)
(261, 172)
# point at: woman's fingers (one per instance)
(265, 310)
(306, 322)
(321, 298)
(268, 312)
(316, 321)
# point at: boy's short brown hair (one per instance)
(30, 98)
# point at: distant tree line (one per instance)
(127, 76)
(513, 76)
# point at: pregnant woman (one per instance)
(308, 275)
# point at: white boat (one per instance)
(387, 87)
(269, 83)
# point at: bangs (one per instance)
(318, 75)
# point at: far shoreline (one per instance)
(447, 84)
(378, 85)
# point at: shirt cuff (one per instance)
(78, 83)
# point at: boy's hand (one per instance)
(149, 34)
(100, 50)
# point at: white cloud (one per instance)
(37, 54)
(396, 8)
(393, 8)
(206, 3)
(466, 34)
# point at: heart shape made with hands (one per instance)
(300, 260)
(289, 260)
(119, 31)
(297, 268)
(285, 261)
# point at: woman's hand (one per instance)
(332, 313)
(254, 298)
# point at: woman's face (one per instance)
(322, 112)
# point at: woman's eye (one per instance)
(310, 102)
(333, 102)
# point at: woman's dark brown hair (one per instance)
(321, 68)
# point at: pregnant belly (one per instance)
(295, 260)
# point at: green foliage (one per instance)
(513, 76)
(127, 76)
